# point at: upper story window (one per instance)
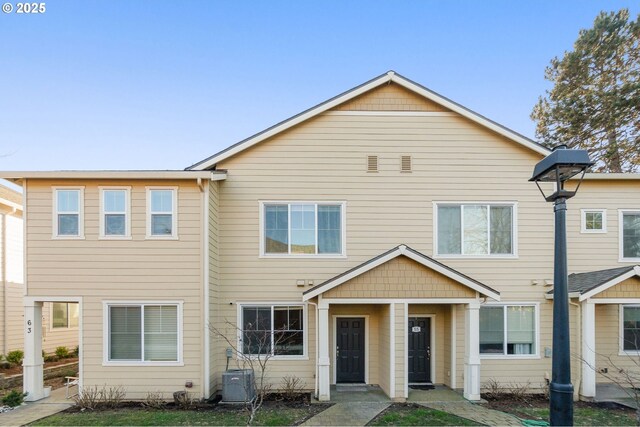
(629, 235)
(64, 315)
(508, 330)
(114, 212)
(475, 230)
(68, 212)
(303, 229)
(162, 213)
(594, 221)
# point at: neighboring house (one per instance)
(60, 323)
(387, 236)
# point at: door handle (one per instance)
(337, 351)
(428, 351)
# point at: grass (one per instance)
(585, 415)
(279, 416)
(412, 415)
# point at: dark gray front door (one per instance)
(350, 350)
(419, 350)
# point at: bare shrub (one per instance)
(291, 387)
(88, 398)
(520, 391)
(100, 398)
(183, 400)
(493, 390)
(111, 397)
(154, 400)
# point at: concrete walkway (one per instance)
(615, 393)
(33, 411)
(348, 414)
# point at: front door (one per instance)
(350, 350)
(419, 350)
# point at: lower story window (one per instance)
(143, 333)
(273, 329)
(508, 330)
(64, 315)
(631, 328)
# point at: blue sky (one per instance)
(163, 84)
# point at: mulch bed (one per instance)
(15, 370)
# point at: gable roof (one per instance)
(389, 77)
(586, 285)
(402, 250)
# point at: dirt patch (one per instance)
(15, 370)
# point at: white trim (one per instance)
(379, 81)
(54, 218)
(432, 346)
(399, 300)
(401, 250)
(621, 213)
(392, 113)
(611, 176)
(454, 348)
(583, 221)
(174, 213)
(334, 320)
(406, 350)
(206, 304)
(149, 174)
(615, 301)
(106, 334)
(127, 213)
(305, 326)
(536, 315)
(24, 245)
(603, 287)
(488, 204)
(392, 352)
(621, 350)
(288, 203)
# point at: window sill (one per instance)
(593, 231)
(303, 256)
(141, 364)
(67, 238)
(509, 357)
(161, 237)
(629, 260)
(476, 256)
(115, 238)
(64, 328)
(629, 353)
(279, 358)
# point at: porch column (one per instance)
(323, 352)
(32, 363)
(588, 384)
(472, 351)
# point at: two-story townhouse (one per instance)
(388, 236)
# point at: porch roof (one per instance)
(586, 285)
(402, 250)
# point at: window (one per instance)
(475, 230)
(274, 329)
(68, 213)
(143, 332)
(508, 330)
(303, 229)
(630, 336)
(594, 221)
(161, 213)
(630, 236)
(64, 315)
(114, 215)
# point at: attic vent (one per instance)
(405, 163)
(372, 163)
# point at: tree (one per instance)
(595, 100)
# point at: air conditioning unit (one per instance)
(237, 386)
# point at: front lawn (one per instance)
(584, 414)
(413, 415)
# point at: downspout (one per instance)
(5, 349)
(315, 389)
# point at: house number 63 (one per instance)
(28, 326)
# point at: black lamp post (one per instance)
(559, 166)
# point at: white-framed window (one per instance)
(593, 221)
(475, 230)
(115, 217)
(64, 315)
(276, 329)
(68, 213)
(630, 329)
(302, 229)
(162, 212)
(509, 330)
(143, 333)
(629, 225)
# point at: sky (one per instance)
(155, 84)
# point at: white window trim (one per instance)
(305, 341)
(514, 230)
(127, 214)
(536, 310)
(583, 221)
(106, 336)
(343, 225)
(174, 214)
(62, 328)
(621, 350)
(621, 257)
(54, 221)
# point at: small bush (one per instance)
(154, 400)
(182, 400)
(89, 398)
(51, 358)
(62, 352)
(14, 398)
(291, 387)
(76, 351)
(100, 398)
(493, 390)
(520, 391)
(15, 357)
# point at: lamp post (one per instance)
(558, 167)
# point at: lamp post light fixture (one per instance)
(558, 167)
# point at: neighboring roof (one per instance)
(585, 285)
(401, 250)
(146, 174)
(386, 78)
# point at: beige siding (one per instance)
(384, 349)
(122, 270)
(401, 277)
(608, 354)
(629, 288)
(391, 97)
(399, 350)
(446, 332)
(217, 347)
